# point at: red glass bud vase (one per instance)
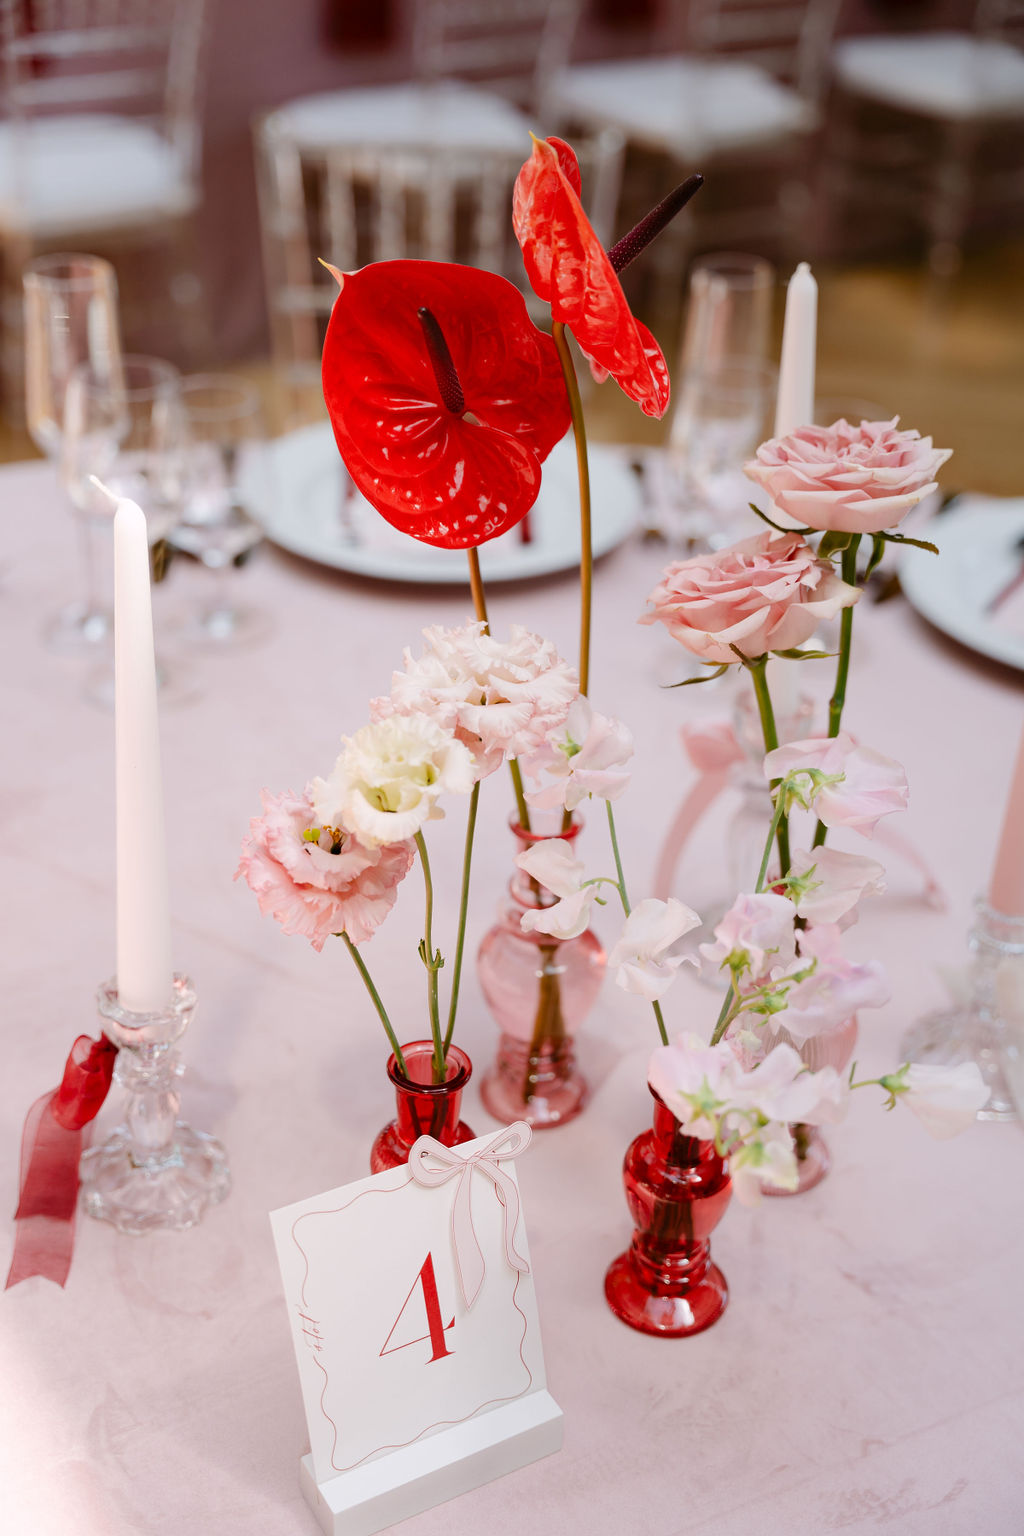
(677, 1189)
(539, 990)
(424, 1107)
(831, 1048)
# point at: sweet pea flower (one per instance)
(386, 783)
(552, 863)
(767, 1158)
(586, 756)
(500, 698)
(640, 958)
(766, 593)
(946, 1100)
(781, 1088)
(835, 990)
(756, 936)
(847, 785)
(317, 881)
(694, 1080)
(848, 479)
(826, 884)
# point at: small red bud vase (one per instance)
(424, 1106)
(677, 1190)
(539, 990)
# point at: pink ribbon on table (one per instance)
(451, 1162)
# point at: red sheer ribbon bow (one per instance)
(51, 1145)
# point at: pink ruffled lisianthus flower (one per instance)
(847, 785)
(317, 886)
(848, 479)
(586, 756)
(641, 958)
(767, 593)
(500, 698)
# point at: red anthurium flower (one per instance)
(444, 398)
(569, 268)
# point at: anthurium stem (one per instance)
(460, 943)
(838, 699)
(376, 999)
(430, 959)
(659, 1017)
(758, 669)
(583, 473)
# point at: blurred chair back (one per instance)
(357, 204)
(515, 47)
(789, 39)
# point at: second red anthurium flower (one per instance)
(452, 466)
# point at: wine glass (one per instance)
(125, 438)
(224, 479)
(721, 417)
(70, 305)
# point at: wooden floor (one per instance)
(948, 359)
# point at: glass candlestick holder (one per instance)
(976, 1028)
(154, 1171)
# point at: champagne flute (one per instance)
(70, 304)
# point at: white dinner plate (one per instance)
(309, 515)
(978, 557)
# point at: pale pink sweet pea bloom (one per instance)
(500, 698)
(586, 756)
(849, 479)
(310, 889)
(768, 1158)
(689, 1069)
(946, 1100)
(759, 926)
(640, 958)
(553, 865)
(767, 593)
(836, 883)
(836, 990)
(869, 786)
(781, 1088)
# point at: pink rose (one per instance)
(318, 888)
(851, 479)
(768, 593)
(865, 785)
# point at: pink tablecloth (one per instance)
(867, 1373)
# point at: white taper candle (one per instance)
(144, 974)
(795, 402)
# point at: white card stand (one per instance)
(406, 1482)
(415, 1328)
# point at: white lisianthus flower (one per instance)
(827, 884)
(501, 698)
(585, 756)
(767, 1158)
(640, 958)
(946, 1100)
(552, 863)
(389, 777)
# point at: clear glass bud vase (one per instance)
(154, 1171)
(424, 1107)
(539, 990)
(677, 1190)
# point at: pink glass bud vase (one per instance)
(831, 1048)
(539, 990)
(424, 1107)
(677, 1189)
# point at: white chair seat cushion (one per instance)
(691, 107)
(942, 74)
(87, 172)
(446, 114)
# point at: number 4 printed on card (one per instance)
(437, 1328)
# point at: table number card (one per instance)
(415, 1329)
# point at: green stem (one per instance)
(522, 809)
(460, 943)
(583, 472)
(375, 996)
(724, 1019)
(659, 1017)
(757, 669)
(838, 699)
(762, 872)
(429, 960)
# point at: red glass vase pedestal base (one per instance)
(424, 1107)
(677, 1190)
(554, 1090)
